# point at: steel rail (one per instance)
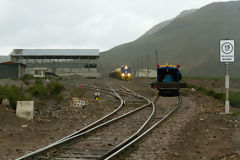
(116, 148)
(79, 131)
(135, 138)
(86, 129)
(105, 89)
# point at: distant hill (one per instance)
(161, 25)
(4, 59)
(191, 40)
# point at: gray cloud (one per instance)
(82, 23)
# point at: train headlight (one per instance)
(129, 74)
(123, 74)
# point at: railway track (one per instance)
(54, 148)
(101, 139)
(159, 116)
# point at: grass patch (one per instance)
(234, 79)
(39, 90)
(203, 78)
(13, 94)
(27, 77)
(235, 113)
(50, 91)
(234, 97)
(219, 96)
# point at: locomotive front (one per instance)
(168, 80)
(126, 73)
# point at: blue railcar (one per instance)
(168, 80)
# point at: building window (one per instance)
(38, 72)
(92, 65)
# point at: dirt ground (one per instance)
(199, 131)
(208, 134)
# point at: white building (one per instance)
(62, 62)
(146, 73)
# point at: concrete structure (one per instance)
(39, 72)
(146, 73)
(63, 62)
(5, 102)
(12, 70)
(25, 109)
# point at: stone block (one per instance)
(25, 109)
(5, 102)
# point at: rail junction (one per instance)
(135, 117)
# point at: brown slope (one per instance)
(192, 41)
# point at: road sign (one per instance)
(226, 51)
(79, 103)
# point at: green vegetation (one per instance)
(50, 91)
(203, 78)
(38, 90)
(219, 96)
(13, 94)
(185, 78)
(235, 113)
(27, 77)
(235, 99)
(234, 96)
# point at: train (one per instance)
(168, 80)
(123, 73)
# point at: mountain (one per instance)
(161, 25)
(191, 40)
(4, 59)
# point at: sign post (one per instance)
(227, 88)
(227, 56)
(97, 94)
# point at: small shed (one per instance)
(146, 73)
(39, 72)
(12, 70)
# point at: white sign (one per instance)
(226, 50)
(79, 103)
(97, 93)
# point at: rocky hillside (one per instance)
(4, 59)
(191, 40)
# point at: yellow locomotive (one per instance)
(123, 72)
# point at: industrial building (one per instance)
(12, 70)
(62, 62)
(146, 73)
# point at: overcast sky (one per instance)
(100, 24)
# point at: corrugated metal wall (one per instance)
(8, 71)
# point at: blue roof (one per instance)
(167, 67)
(57, 52)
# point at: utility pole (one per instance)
(142, 62)
(147, 64)
(156, 57)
